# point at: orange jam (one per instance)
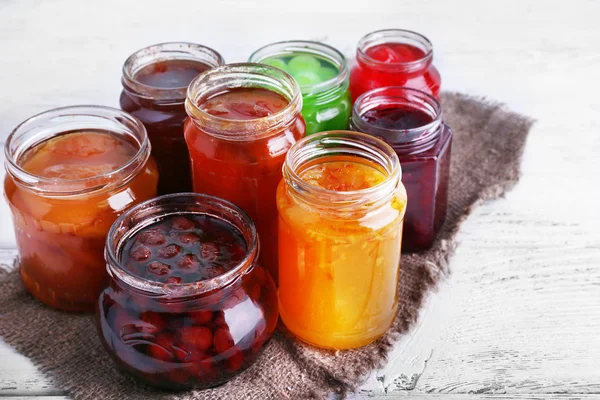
(61, 237)
(338, 271)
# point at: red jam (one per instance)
(170, 74)
(187, 338)
(423, 143)
(238, 139)
(184, 249)
(394, 58)
(155, 94)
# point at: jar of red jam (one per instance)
(155, 81)
(411, 122)
(394, 57)
(70, 173)
(243, 118)
(187, 306)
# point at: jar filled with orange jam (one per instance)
(70, 173)
(341, 207)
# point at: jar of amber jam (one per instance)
(323, 76)
(243, 118)
(70, 173)
(394, 57)
(187, 306)
(155, 81)
(411, 122)
(341, 205)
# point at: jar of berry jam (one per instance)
(155, 81)
(187, 306)
(411, 122)
(323, 76)
(341, 205)
(70, 173)
(394, 57)
(243, 118)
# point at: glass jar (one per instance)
(60, 223)
(240, 160)
(193, 334)
(155, 81)
(394, 57)
(323, 75)
(339, 250)
(423, 146)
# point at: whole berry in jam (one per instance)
(184, 249)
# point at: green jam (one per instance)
(325, 106)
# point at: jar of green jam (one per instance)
(323, 76)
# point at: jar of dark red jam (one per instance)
(411, 122)
(155, 81)
(323, 76)
(70, 173)
(243, 118)
(187, 306)
(394, 57)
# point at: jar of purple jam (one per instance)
(187, 305)
(411, 122)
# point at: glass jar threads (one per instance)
(341, 205)
(70, 173)
(323, 75)
(394, 57)
(187, 306)
(411, 122)
(155, 81)
(243, 118)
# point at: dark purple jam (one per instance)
(397, 117)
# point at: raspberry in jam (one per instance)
(187, 306)
(155, 81)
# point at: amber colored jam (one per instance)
(164, 119)
(397, 118)
(61, 239)
(400, 66)
(338, 275)
(170, 74)
(245, 172)
(198, 340)
(184, 249)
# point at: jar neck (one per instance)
(356, 145)
(319, 93)
(159, 208)
(58, 121)
(244, 75)
(403, 141)
(398, 36)
(175, 51)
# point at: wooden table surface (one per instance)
(519, 315)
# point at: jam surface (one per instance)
(245, 104)
(184, 249)
(342, 176)
(397, 118)
(78, 155)
(170, 74)
(305, 68)
(395, 53)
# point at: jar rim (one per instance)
(397, 95)
(358, 144)
(178, 204)
(243, 75)
(39, 125)
(307, 46)
(384, 36)
(166, 51)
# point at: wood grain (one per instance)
(519, 315)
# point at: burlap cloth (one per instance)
(486, 152)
